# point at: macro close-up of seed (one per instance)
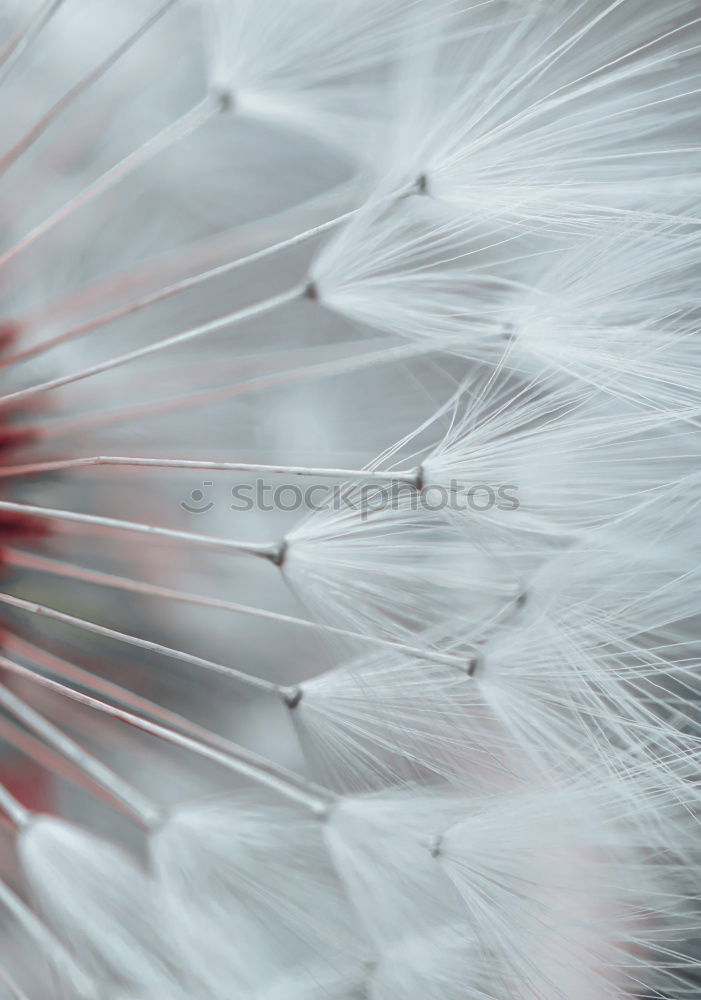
(350, 478)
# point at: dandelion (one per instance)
(349, 460)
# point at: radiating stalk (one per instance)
(31, 561)
(185, 284)
(135, 703)
(196, 333)
(410, 477)
(29, 746)
(189, 122)
(168, 291)
(21, 41)
(119, 697)
(153, 647)
(13, 808)
(208, 397)
(38, 129)
(270, 551)
(244, 762)
(13, 989)
(134, 803)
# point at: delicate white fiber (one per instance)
(98, 901)
(349, 475)
(307, 64)
(566, 117)
(382, 559)
(240, 905)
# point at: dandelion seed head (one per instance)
(435, 735)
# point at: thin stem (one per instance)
(208, 397)
(137, 806)
(154, 647)
(62, 958)
(173, 289)
(270, 551)
(411, 477)
(13, 809)
(169, 136)
(26, 560)
(177, 264)
(21, 41)
(243, 762)
(17, 736)
(232, 319)
(11, 985)
(134, 703)
(185, 284)
(84, 84)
